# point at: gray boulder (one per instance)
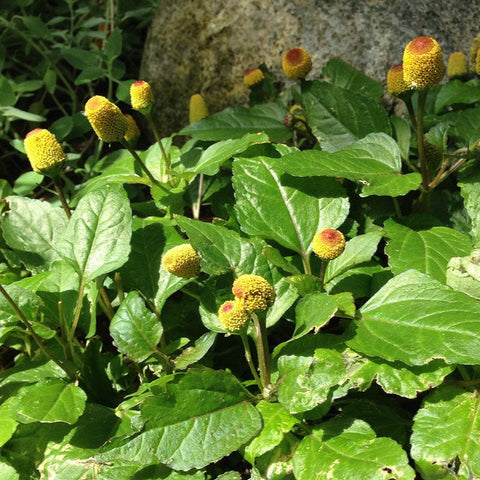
(196, 46)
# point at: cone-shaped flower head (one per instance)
(182, 261)
(396, 85)
(473, 52)
(296, 63)
(44, 152)
(233, 315)
(254, 292)
(253, 76)
(328, 244)
(457, 65)
(198, 108)
(141, 96)
(133, 132)
(423, 63)
(106, 119)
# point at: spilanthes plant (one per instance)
(396, 84)
(198, 108)
(141, 96)
(296, 63)
(457, 65)
(106, 119)
(253, 76)
(133, 132)
(182, 261)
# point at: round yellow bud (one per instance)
(395, 83)
(253, 76)
(457, 65)
(141, 95)
(198, 108)
(44, 152)
(182, 261)
(473, 52)
(328, 244)
(133, 132)
(233, 315)
(296, 63)
(106, 119)
(423, 63)
(254, 292)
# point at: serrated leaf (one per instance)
(457, 92)
(8, 425)
(415, 319)
(181, 422)
(338, 117)
(469, 183)
(373, 161)
(344, 75)
(446, 435)
(217, 154)
(358, 250)
(427, 251)
(33, 226)
(49, 401)
(306, 382)
(193, 354)
(463, 274)
(239, 121)
(312, 312)
(135, 330)
(346, 448)
(223, 250)
(286, 209)
(97, 238)
(276, 423)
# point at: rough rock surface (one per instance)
(197, 46)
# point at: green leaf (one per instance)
(457, 92)
(306, 382)
(27, 182)
(346, 448)
(373, 161)
(466, 125)
(286, 209)
(223, 250)
(217, 154)
(33, 226)
(313, 312)
(112, 47)
(16, 114)
(276, 423)
(446, 435)
(7, 472)
(342, 74)
(79, 58)
(338, 117)
(49, 401)
(359, 249)
(427, 251)
(193, 354)
(97, 238)
(135, 330)
(90, 74)
(469, 183)
(182, 423)
(239, 121)
(463, 274)
(402, 134)
(7, 424)
(7, 94)
(415, 319)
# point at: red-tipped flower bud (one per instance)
(396, 85)
(141, 96)
(253, 76)
(233, 315)
(254, 292)
(106, 119)
(296, 63)
(328, 244)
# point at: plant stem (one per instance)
(248, 356)
(424, 169)
(78, 310)
(262, 348)
(34, 335)
(117, 278)
(396, 205)
(139, 160)
(166, 159)
(107, 305)
(59, 189)
(306, 263)
(321, 276)
(198, 205)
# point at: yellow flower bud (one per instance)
(473, 53)
(423, 63)
(477, 62)
(395, 83)
(233, 315)
(254, 292)
(253, 76)
(328, 243)
(198, 108)
(299, 120)
(457, 65)
(44, 152)
(133, 132)
(296, 63)
(141, 95)
(182, 261)
(106, 119)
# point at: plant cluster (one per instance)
(291, 293)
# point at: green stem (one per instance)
(306, 263)
(198, 205)
(59, 189)
(109, 311)
(321, 276)
(424, 169)
(166, 159)
(139, 160)
(262, 348)
(78, 310)
(248, 356)
(396, 205)
(117, 278)
(464, 372)
(36, 338)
